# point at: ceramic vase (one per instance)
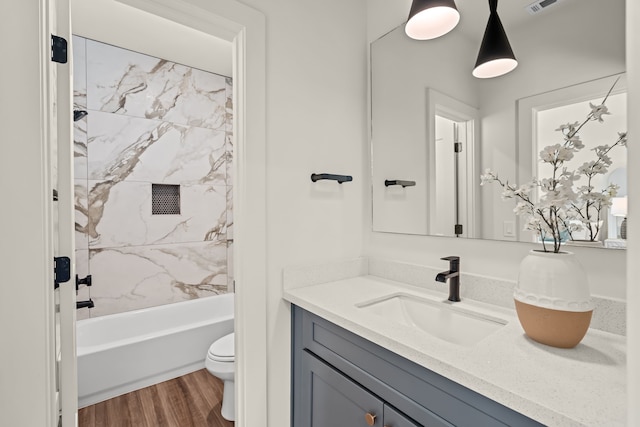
(552, 298)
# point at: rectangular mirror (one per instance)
(438, 127)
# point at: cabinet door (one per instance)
(329, 399)
(393, 418)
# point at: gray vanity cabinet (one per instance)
(342, 380)
(329, 399)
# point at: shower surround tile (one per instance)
(148, 276)
(81, 214)
(229, 104)
(125, 82)
(229, 158)
(122, 215)
(80, 148)
(150, 121)
(130, 148)
(79, 72)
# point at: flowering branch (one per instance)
(558, 207)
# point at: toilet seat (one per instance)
(222, 350)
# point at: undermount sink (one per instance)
(439, 318)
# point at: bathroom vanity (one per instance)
(356, 362)
(365, 384)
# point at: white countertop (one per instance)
(585, 385)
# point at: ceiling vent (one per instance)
(539, 6)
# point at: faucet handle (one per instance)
(451, 258)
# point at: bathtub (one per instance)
(124, 352)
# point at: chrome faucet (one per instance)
(453, 275)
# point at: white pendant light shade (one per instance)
(495, 57)
(429, 19)
(494, 68)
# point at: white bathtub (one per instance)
(124, 352)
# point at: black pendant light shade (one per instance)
(429, 19)
(496, 56)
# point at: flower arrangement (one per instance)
(561, 210)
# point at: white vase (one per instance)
(552, 298)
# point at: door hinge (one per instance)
(457, 147)
(58, 49)
(457, 229)
(61, 270)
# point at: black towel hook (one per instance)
(340, 178)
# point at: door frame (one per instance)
(65, 208)
(443, 105)
(27, 362)
(245, 28)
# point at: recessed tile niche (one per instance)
(165, 199)
(153, 189)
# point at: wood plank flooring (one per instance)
(192, 400)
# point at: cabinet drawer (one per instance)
(393, 418)
(423, 395)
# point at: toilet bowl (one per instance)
(220, 364)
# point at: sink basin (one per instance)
(439, 318)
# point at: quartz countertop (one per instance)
(583, 386)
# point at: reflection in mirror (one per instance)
(412, 82)
(541, 118)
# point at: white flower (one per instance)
(523, 208)
(612, 190)
(568, 128)
(622, 136)
(564, 154)
(575, 142)
(585, 189)
(533, 224)
(524, 190)
(592, 168)
(548, 153)
(569, 176)
(597, 111)
(488, 177)
(508, 193)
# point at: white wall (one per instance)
(316, 103)
(111, 22)
(605, 268)
(633, 253)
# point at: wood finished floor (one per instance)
(192, 400)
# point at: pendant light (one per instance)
(495, 57)
(429, 19)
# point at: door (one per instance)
(63, 214)
(449, 177)
(330, 399)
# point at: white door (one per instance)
(64, 221)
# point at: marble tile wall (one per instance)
(150, 121)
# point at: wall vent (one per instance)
(540, 5)
(165, 199)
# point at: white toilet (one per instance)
(220, 364)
